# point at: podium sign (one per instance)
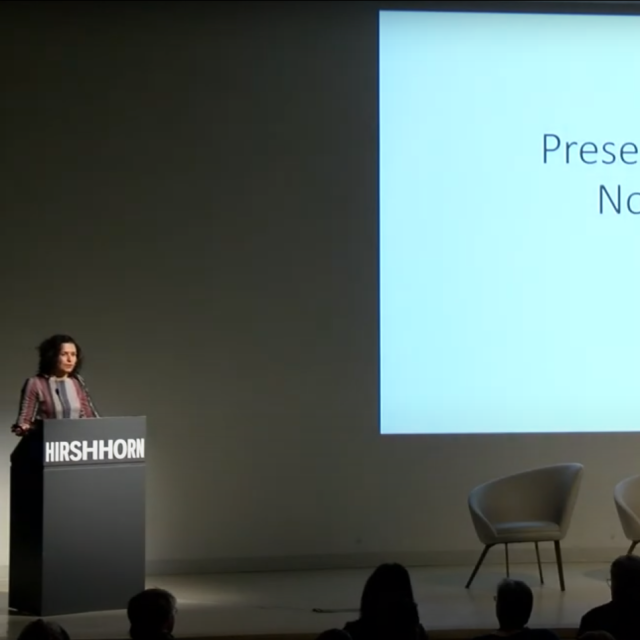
(77, 532)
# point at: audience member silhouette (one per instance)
(621, 616)
(387, 608)
(514, 604)
(41, 630)
(151, 615)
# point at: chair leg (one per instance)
(539, 563)
(506, 558)
(483, 555)
(556, 544)
(632, 547)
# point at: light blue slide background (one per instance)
(508, 303)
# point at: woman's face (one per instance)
(67, 359)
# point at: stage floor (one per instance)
(283, 603)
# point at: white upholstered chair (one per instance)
(626, 496)
(531, 506)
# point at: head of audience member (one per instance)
(397, 619)
(151, 614)
(514, 603)
(625, 580)
(596, 635)
(387, 607)
(41, 630)
(388, 585)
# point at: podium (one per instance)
(77, 531)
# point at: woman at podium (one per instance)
(57, 390)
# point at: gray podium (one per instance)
(77, 532)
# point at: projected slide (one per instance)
(509, 223)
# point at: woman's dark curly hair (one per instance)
(49, 351)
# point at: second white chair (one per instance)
(531, 506)
(626, 497)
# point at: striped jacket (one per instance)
(36, 401)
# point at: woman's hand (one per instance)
(20, 431)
